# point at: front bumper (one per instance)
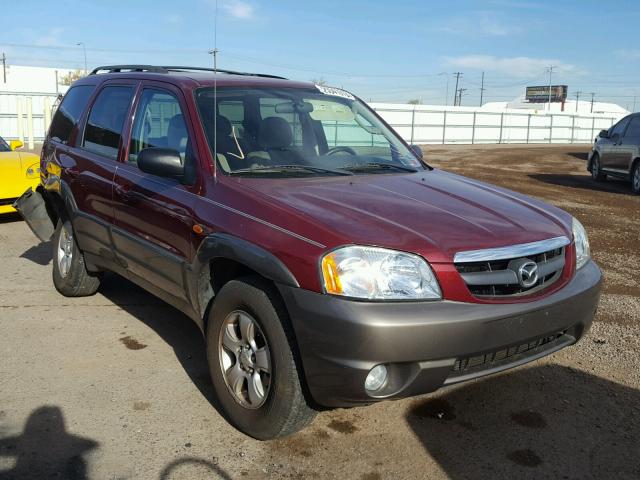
(426, 345)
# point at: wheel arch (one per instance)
(223, 257)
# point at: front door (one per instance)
(627, 147)
(612, 151)
(153, 215)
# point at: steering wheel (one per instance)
(335, 150)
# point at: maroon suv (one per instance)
(325, 262)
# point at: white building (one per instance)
(33, 79)
(583, 106)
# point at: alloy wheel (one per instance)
(636, 179)
(245, 359)
(65, 250)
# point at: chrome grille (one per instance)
(490, 276)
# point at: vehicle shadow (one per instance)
(583, 182)
(542, 422)
(40, 253)
(579, 155)
(174, 327)
(45, 449)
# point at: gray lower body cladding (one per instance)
(426, 345)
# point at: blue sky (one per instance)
(385, 51)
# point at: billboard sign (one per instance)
(541, 94)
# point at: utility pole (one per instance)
(634, 104)
(462, 90)
(4, 67)
(592, 97)
(550, 70)
(482, 89)
(458, 75)
(577, 94)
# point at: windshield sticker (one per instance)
(338, 92)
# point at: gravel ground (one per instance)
(115, 386)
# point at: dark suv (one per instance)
(616, 152)
(325, 262)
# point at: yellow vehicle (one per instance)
(18, 171)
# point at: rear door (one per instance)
(153, 215)
(611, 150)
(93, 163)
(627, 147)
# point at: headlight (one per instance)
(583, 251)
(378, 274)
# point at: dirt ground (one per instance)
(116, 386)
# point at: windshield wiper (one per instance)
(285, 168)
(366, 167)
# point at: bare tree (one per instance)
(71, 77)
(414, 101)
(319, 81)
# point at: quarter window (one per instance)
(69, 112)
(104, 127)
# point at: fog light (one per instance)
(376, 378)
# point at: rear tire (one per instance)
(596, 169)
(635, 179)
(70, 275)
(250, 350)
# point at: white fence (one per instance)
(26, 116)
(421, 124)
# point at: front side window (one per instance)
(619, 128)
(300, 132)
(634, 128)
(104, 128)
(69, 112)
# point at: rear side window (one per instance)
(104, 127)
(69, 112)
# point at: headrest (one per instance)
(177, 133)
(275, 132)
(223, 125)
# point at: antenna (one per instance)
(215, 92)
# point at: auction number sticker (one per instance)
(338, 92)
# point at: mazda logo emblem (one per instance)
(528, 274)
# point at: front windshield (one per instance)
(299, 132)
(4, 146)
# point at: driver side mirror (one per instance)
(15, 144)
(604, 134)
(417, 151)
(163, 162)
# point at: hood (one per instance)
(10, 165)
(434, 213)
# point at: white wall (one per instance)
(428, 124)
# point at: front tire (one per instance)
(250, 350)
(596, 169)
(635, 179)
(70, 275)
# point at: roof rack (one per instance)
(128, 68)
(167, 69)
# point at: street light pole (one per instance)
(446, 96)
(84, 51)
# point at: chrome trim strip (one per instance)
(511, 251)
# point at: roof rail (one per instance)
(220, 70)
(129, 68)
(165, 69)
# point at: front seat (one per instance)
(226, 144)
(275, 137)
